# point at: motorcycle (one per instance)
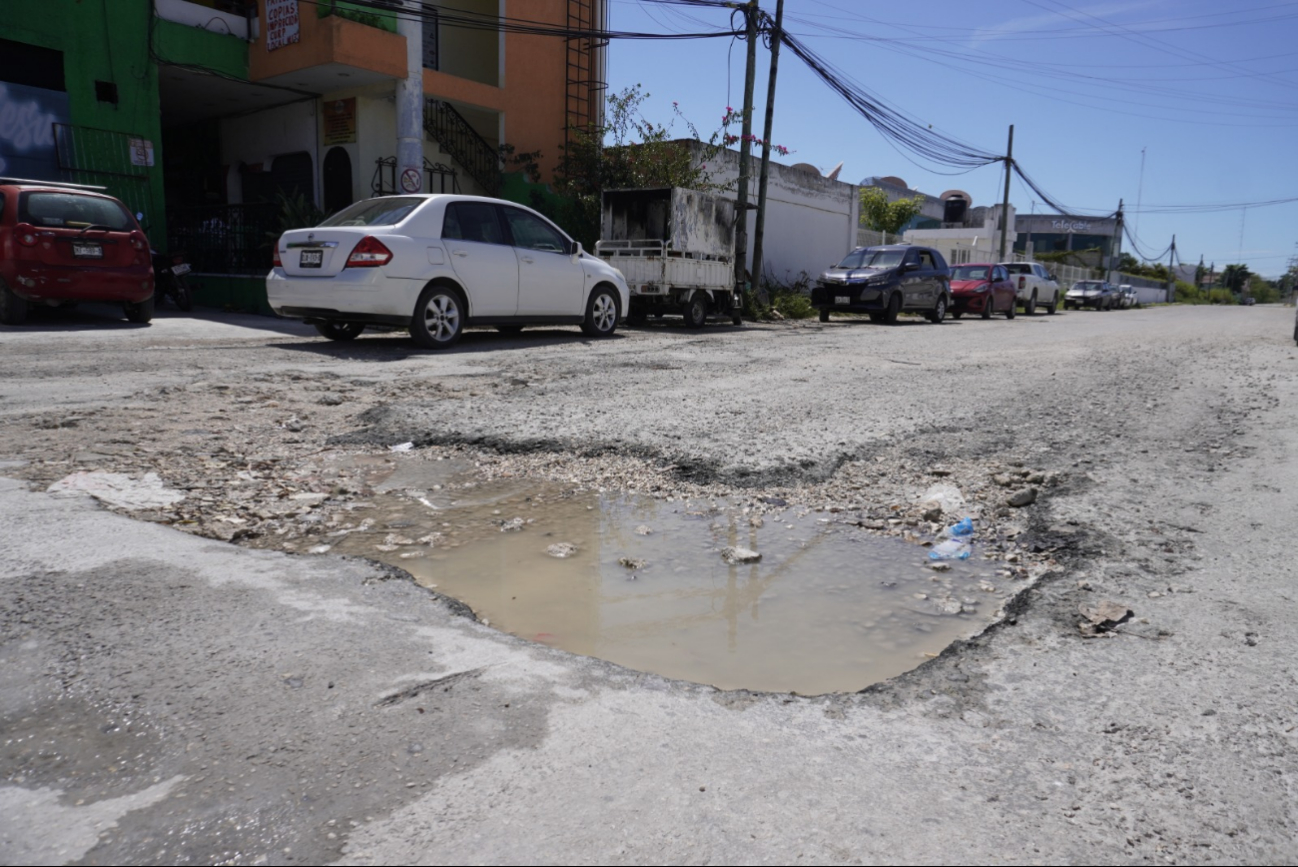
(169, 270)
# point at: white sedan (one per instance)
(438, 263)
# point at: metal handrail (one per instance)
(463, 143)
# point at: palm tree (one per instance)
(1235, 278)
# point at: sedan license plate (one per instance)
(181, 269)
(87, 251)
(311, 258)
(842, 299)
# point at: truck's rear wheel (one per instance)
(695, 310)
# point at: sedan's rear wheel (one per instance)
(439, 318)
(1013, 308)
(824, 315)
(13, 310)
(601, 313)
(340, 330)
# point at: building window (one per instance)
(430, 38)
(106, 91)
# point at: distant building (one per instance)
(1056, 233)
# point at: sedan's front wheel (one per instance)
(601, 313)
(439, 318)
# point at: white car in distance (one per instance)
(437, 264)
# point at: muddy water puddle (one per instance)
(642, 582)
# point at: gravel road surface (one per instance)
(181, 683)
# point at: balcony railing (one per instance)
(449, 128)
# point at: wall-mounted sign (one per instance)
(411, 181)
(1071, 225)
(141, 151)
(281, 23)
(340, 121)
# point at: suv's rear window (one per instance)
(73, 211)
(1019, 268)
(386, 211)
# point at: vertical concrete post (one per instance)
(410, 103)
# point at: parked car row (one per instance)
(437, 264)
(888, 280)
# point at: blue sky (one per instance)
(1211, 95)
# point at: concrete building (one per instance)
(811, 220)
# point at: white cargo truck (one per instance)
(676, 249)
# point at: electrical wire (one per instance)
(898, 128)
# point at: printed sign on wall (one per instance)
(340, 121)
(281, 23)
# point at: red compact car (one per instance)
(982, 288)
(62, 243)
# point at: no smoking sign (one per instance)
(411, 182)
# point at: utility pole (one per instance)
(746, 148)
(1115, 254)
(759, 234)
(409, 175)
(1005, 203)
(1171, 275)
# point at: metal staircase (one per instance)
(448, 128)
(585, 86)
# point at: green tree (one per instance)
(1263, 291)
(1235, 277)
(881, 215)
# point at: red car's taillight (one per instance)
(138, 241)
(26, 234)
(369, 253)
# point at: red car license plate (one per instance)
(311, 258)
(87, 251)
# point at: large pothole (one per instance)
(644, 582)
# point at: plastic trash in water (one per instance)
(956, 544)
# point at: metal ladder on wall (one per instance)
(584, 89)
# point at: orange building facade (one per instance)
(484, 86)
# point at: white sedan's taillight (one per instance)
(369, 253)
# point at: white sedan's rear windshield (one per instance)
(387, 211)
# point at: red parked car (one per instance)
(63, 243)
(983, 288)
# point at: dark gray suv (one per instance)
(884, 281)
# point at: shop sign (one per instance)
(340, 121)
(281, 23)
